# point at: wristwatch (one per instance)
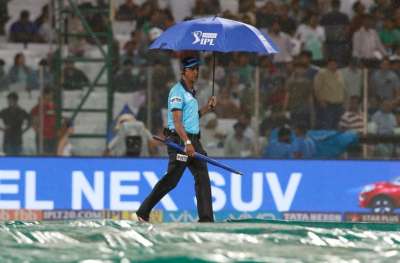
(188, 142)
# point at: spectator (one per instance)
(266, 15)
(236, 144)
(3, 76)
(312, 37)
(389, 36)
(336, 29)
(132, 53)
(353, 79)
(211, 137)
(43, 24)
(287, 23)
(74, 78)
(303, 146)
(132, 139)
(356, 23)
(19, 73)
(13, 119)
(4, 17)
(280, 147)
(76, 44)
(352, 119)
(44, 123)
(128, 11)
(35, 77)
(227, 108)
(24, 30)
(204, 84)
(306, 57)
(329, 93)
(283, 42)
(384, 82)
(206, 7)
(366, 42)
(64, 147)
(386, 123)
(299, 96)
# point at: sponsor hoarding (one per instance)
(121, 184)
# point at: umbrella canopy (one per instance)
(215, 34)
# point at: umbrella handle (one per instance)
(213, 75)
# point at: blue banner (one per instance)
(273, 186)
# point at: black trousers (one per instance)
(175, 171)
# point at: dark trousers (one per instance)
(175, 171)
(328, 117)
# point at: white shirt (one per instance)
(366, 44)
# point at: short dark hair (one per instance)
(283, 131)
(335, 3)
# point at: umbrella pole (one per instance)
(213, 76)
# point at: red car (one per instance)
(381, 197)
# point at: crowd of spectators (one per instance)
(315, 82)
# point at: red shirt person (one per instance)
(45, 129)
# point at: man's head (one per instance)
(354, 103)
(12, 99)
(190, 68)
(47, 94)
(239, 129)
(331, 64)
(335, 4)
(24, 15)
(306, 57)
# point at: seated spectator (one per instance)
(237, 144)
(227, 108)
(43, 24)
(45, 129)
(211, 137)
(19, 73)
(245, 69)
(266, 14)
(132, 139)
(384, 82)
(74, 78)
(389, 36)
(283, 41)
(132, 53)
(280, 147)
(287, 23)
(329, 95)
(44, 71)
(366, 42)
(24, 30)
(128, 11)
(76, 44)
(13, 118)
(303, 146)
(312, 37)
(126, 81)
(386, 123)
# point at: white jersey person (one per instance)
(132, 139)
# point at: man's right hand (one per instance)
(189, 150)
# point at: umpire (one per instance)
(184, 129)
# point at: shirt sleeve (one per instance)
(175, 100)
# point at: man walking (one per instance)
(13, 119)
(184, 129)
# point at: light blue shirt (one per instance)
(181, 99)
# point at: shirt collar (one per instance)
(193, 92)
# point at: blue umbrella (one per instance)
(215, 34)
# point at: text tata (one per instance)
(94, 191)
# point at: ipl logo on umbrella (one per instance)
(204, 38)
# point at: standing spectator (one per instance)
(312, 37)
(64, 147)
(384, 82)
(336, 29)
(358, 11)
(283, 42)
(45, 128)
(236, 144)
(366, 42)
(127, 11)
(3, 76)
(74, 78)
(329, 93)
(3, 15)
(353, 79)
(13, 119)
(389, 36)
(24, 30)
(299, 96)
(133, 53)
(227, 108)
(266, 15)
(306, 57)
(287, 23)
(386, 123)
(19, 73)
